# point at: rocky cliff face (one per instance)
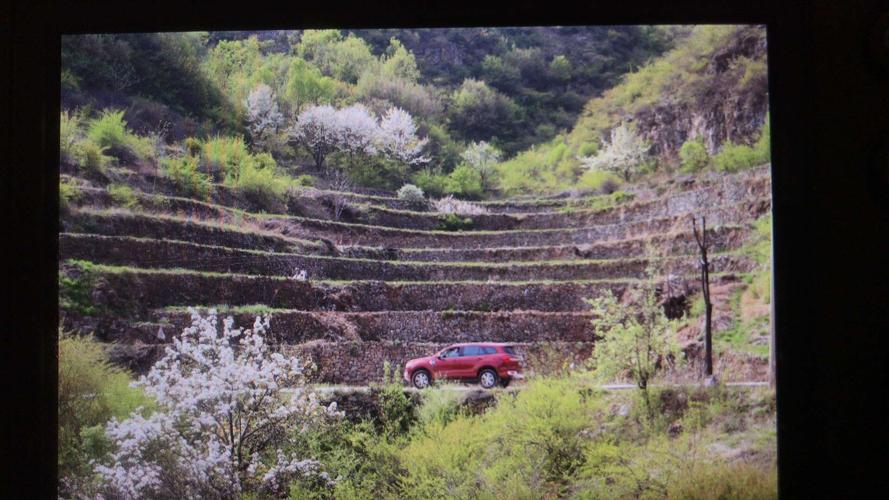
(727, 102)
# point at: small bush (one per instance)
(305, 180)
(91, 391)
(464, 181)
(604, 182)
(734, 157)
(431, 183)
(68, 192)
(694, 155)
(258, 180)
(108, 130)
(411, 194)
(184, 174)
(223, 156)
(453, 222)
(69, 134)
(91, 157)
(451, 205)
(722, 480)
(440, 406)
(123, 195)
(193, 146)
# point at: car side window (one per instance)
(451, 353)
(470, 350)
(489, 350)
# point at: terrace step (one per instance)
(573, 212)
(721, 239)
(295, 327)
(151, 253)
(158, 226)
(133, 292)
(346, 234)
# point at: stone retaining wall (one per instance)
(170, 254)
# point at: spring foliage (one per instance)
(222, 421)
(625, 155)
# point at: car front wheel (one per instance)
(421, 379)
(488, 378)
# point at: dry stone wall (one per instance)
(381, 284)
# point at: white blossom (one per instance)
(482, 157)
(357, 130)
(451, 205)
(220, 409)
(624, 154)
(263, 118)
(398, 137)
(317, 129)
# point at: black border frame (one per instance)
(830, 117)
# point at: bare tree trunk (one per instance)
(705, 289)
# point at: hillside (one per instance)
(710, 92)
(389, 283)
(377, 196)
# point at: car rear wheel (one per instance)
(488, 378)
(421, 379)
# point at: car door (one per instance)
(447, 362)
(469, 359)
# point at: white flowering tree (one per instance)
(482, 157)
(624, 155)
(264, 120)
(222, 420)
(357, 131)
(317, 129)
(398, 137)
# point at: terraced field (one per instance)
(386, 282)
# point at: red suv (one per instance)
(488, 363)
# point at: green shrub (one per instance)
(734, 157)
(598, 180)
(465, 182)
(108, 130)
(723, 480)
(440, 406)
(453, 222)
(91, 157)
(193, 146)
(304, 180)
(185, 175)
(91, 391)
(528, 446)
(69, 134)
(123, 195)
(397, 412)
(68, 192)
(694, 155)
(256, 177)
(224, 156)
(431, 183)
(411, 194)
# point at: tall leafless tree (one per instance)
(701, 239)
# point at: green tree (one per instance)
(306, 85)
(560, 68)
(479, 112)
(636, 337)
(694, 155)
(400, 62)
(464, 181)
